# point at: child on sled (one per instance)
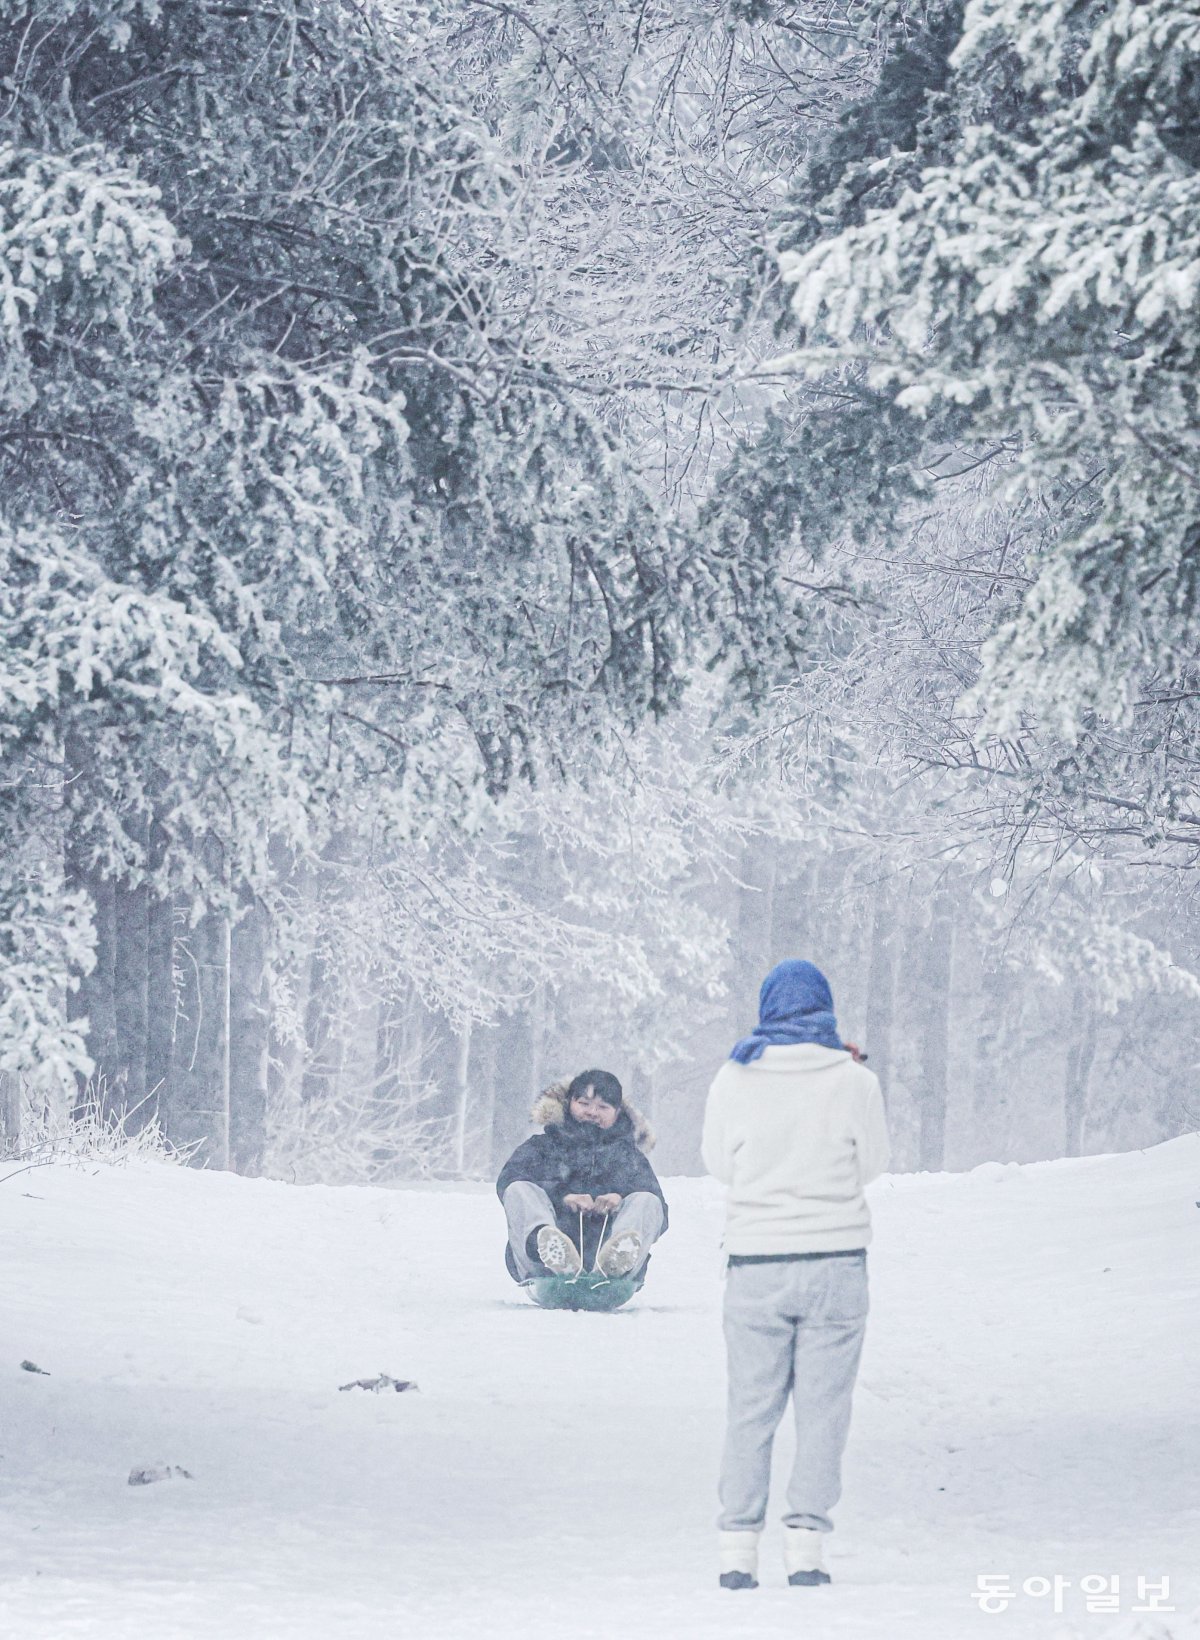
(580, 1196)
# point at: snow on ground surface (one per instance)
(1027, 1405)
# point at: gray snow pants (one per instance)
(527, 1207)
(791, 1328)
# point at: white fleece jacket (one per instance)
(795, 1135)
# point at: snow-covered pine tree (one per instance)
(291, 515)
(1011, 277)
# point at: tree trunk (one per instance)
(514, 1060)
(162, 978)
(462, 1098)
(753, 932)
(113, 996)
(197, 1107)
(483, 1074)
(935, 976)
(534, 1075)
(1080, 1057)
(756, 906)
(881, 984)
(390, 1040)
(325, 1013)
(131, 910)
(10, 1112)
(849, 931)
(162, 1000)
(285, 1069)
(249, 1040)
(641, 1091)
(991, 1092)
(322, 1034)
(793, 903)
(95, 997)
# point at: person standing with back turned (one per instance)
(794, 1128)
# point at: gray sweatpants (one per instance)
(793, 1328)
(527, 1206)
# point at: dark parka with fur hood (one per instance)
(570, 1158)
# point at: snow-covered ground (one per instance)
(1028, 1405)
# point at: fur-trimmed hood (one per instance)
(550, 1109)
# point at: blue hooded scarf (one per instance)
(794, 1005)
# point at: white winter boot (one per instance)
(619, 1256)
(737, 1554)
(558, 1252)
(802, 1557)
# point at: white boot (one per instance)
(558, 1252)
(619, 1256)
(737, 1554)
(802, 1556)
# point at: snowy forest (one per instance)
(515, 517)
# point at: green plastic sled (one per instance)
(586, 1292)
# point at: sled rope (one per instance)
(580, 1270)
(595, 1269)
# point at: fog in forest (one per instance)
(494, 562)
